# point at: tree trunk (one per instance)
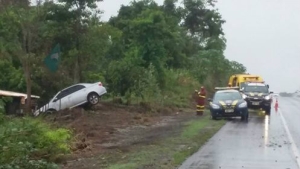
(77, 71)
(28, 87)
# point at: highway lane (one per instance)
(290, 109)
(265, 142)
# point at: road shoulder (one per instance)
(164, 141)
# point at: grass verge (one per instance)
(172, 151)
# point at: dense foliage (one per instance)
(146, 53)
(27, 143)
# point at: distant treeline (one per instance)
(285, 94)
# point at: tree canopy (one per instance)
(145, 51)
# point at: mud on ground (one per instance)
(111, 128)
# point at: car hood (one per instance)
(256, 94)
(228, 103)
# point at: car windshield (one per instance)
(259, 89)
(227, 96)
(242, 85)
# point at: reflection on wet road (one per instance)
(265, 142)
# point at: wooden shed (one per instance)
(18, 103)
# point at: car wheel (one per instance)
(242, 117)
(245, 116)
(213, 117)
(93, 98)
(50, 111)
(47, 112)
(268, 111)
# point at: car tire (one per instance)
(268, 110)
(47, 112)
(213, 117)
(245, 116)
(50, 111)
(93, 98)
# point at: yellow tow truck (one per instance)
(240, 80)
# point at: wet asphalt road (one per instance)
(265, 142)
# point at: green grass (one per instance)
(170, 152)
(123, 166)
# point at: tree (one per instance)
(75, 16)
(20, 32)
(145, 48)
(201, 21)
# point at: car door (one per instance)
(75, 96)
(60, 101)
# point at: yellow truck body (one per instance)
(239, 80)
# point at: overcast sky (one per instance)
(264, 35)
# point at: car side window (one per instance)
(62, 94)
(75, 89)
(69, 91)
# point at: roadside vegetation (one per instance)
(149, 55)
(172, 151)
(30, 143)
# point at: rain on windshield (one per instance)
(227, 96)
(258, 89)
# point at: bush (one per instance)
(29, 143)
(180, 86)
(146, 88)
(2, 111)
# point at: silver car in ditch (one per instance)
(73, 96)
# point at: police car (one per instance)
(228, 103)
(257, 96)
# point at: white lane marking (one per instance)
(294, 148)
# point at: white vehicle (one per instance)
(73, 96)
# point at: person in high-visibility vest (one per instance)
(276, 105)
(201, 101)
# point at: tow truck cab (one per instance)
(257, 96)
(240, 80)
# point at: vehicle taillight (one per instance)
(100, 84)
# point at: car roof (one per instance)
(255, 84)
(84, 84)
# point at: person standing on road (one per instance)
(201, 101)
(276, 105)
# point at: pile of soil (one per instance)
(109, 126)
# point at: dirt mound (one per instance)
(108, 129)
(108, 126)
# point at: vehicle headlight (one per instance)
(267, 97)
(244, 96)
(242, 105)
(214, 106)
